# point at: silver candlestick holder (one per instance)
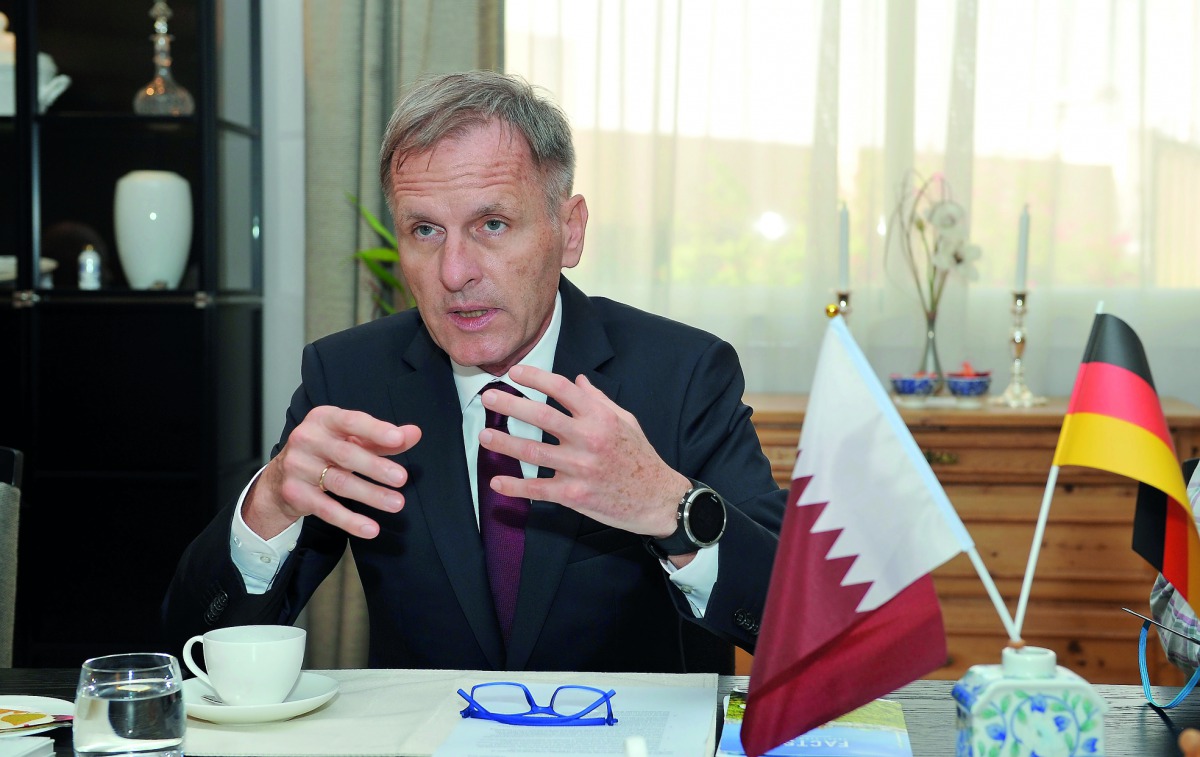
(841, 307)
(1017, 393)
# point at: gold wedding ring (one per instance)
(321, 481)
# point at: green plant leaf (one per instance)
(372, 221)
(383, 304)
(378, 253)
(386, 277)
(378, 261)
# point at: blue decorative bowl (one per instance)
(912, 386)
(968, 386)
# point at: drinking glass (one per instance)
(129, 703)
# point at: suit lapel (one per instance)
(583, 347)
(439, 488)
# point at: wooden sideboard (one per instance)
(993, 463)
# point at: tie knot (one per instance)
(493, 419)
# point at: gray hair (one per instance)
(449, 105)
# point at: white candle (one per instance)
(843, 249)
(1022, 251)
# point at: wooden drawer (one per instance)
(779, 445)
(1098, 644)
(975, 455)
(1099, 656)
(1097, 660)
(961, 455)
(1085, 554)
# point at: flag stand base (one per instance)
(1027, 705)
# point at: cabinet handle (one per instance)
(941, 458)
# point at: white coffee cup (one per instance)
(249, 665)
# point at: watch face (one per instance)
(706, 517)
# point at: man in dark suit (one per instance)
(643, 510)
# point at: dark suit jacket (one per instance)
(592, 598)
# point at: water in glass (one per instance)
(129, 703)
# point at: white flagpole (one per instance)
(1014, 632)
(1038, 533)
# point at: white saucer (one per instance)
(48, 705)
(310, 692)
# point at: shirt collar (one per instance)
(470, 380)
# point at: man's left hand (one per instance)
(605, 468)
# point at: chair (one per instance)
(11, 463)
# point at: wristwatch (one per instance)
(700, 523)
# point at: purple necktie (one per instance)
(501, 521)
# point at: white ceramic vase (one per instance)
(152, 217)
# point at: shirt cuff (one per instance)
(697, 578)
(258, 559)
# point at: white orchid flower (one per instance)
(970, 254)
(949, 221)
(959, 259)
(934, 243)
(945, 254)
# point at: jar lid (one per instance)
(1029, 662)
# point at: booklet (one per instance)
(876, 729)
(27, 746)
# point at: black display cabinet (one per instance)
(138, 409)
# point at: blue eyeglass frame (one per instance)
(538, 715)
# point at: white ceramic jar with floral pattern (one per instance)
(1028, 706)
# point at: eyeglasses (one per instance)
(512, 703)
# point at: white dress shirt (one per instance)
(259, 560)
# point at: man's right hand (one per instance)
(320, 458)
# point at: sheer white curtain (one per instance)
(718, 137)
(357, 55)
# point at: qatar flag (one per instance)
(851, 613)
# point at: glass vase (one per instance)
(931, 364)
(163, 96)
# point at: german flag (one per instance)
(1115, 422)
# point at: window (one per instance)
(717, 139)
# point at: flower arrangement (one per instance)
(932, 240)
(932, 230)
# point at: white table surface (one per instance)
(390, 712)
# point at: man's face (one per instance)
(478, 247)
